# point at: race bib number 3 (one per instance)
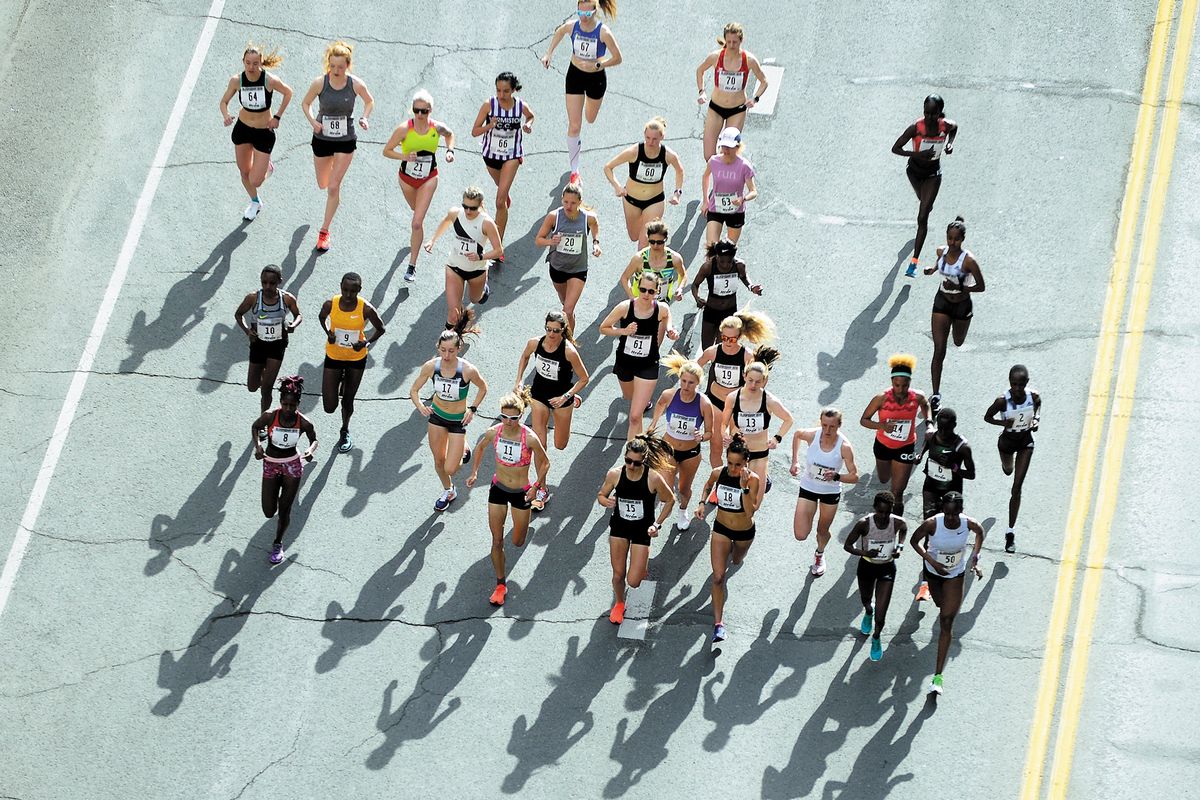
(637, 346)
(345, 338)
(630, 510)
(724, 285)
(334, 127)
(727, 203)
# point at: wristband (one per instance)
(778, 439)
(756, 99)
(473, 409)
(276, 116)
(677, 192)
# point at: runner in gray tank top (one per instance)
(565, 231)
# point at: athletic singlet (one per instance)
(727, 81)
(729, 492)
(553, 374)
(823, 466)
(668, 276)
(267, 321)
(347, 328)
(954, 274)
(684, 420)
(1020, 413)
(511, 453)
(284, 437)
(644, 169)
(425, 145)
(945, 462)
(640, 349)
(503, 142)
(726, 370)
(449, 390)
(927, 141)
(585, 45)
(468, 238)
(723, 284)
(905, 413)
(948, 546)
(751, 421)
(336, 111)
(883, 541)
(255, 95)
(635, 503)
(571, 254)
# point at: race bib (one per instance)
(936, 147)
(729, 497)
(724, 285)
(503, 142)
(902, 430)
(446, 388)
(285, 438)
(951, 559)
(881, 550)
(682, 427)
(727, 202)
(649, 172)
(1022, 420)
(254, 98)
(547, 368)
(509, 451)
(820, 473)
(584, 48)
(334, 127)
(750, 423)
(270, 331)
(571, 244)
(420, 168)
(464, 247)
(727, 375)
(638, 346)
(344, 337)
(731, 81)
(630, 510)
(938, 472)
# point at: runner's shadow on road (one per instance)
(380, 292)
(859, 352)
(201, 514)
(403, 358)
(184, 306)
(379, 476)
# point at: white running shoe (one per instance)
(252, 210)
(818, 565)
(685, 519)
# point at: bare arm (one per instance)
(393, 142)
(626, 156)
(481, 125)
(851, 473)
(581, 374)
(442, 227)
(543, 238)
(493, 234)
(314, 89)
(674, 162)
(704, 67)
(230, 90)
(488, 436)
(604, 496)
(277, 85)
(377, 329)
(242, 310)
(559, 33)
(289, 300)
(871, 410)
(473, 375)
(903, 139)
(614, 49)
(608, 326)
(414, 393)
(857, 532)
(523, 361)
(761, 88)
(972, 267)
(364, 94)
(626, 280)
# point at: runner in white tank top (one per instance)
(821, 481)
(877, 540)
(1018, 412)
(469, 256)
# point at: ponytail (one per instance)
(518, 399)
(655, 450)
(292, 385)
(677, 364)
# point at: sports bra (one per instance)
(729, 492)
(751, 421)
(450, 390)
(726, 370)
(425, 145)
(644, 169)
(281, 437)
(730, 81)
(666, 286)
(923, 140)
(512, 453)
(255, 95)
(587, 45)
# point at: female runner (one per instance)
(877, 540)
(565, 231)
(501, 122)
(932, 136)
(254, 131)
(949, 463)
(558, 377)
(952, 308)
(587, 79)
(727, 362)
(731, 179)
(631, 491)
(275, 435)
(643, 189)
(657, 258)
(334, 140)
(1018, 411)
(896, 429)
(418, 142)
(731, 66)
(448, 412)
(268, 330)
(344, 319)
(738, 494)
(690, 422)
(515, 446)
(821, 481)
(722, 270)
(467, 265)
(748, 412)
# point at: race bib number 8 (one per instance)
(284, 438)
(630, 510)
(334, 127)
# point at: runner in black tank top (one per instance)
(639, 326)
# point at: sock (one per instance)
(500, 582)
(820, 553)
(914, 262)
(255, 199)
(1011, 530)
(574, 147)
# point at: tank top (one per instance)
(726, 370)
(449, 390)
(571, 254)
(905, 413)
(585, 45)
(640, 349)
(924, 140)
(948, 546)
(955, 278)
(751, 421)
(425, 145)
(669, 277)
(648, 170)
(267, 321)
(1020, 413)
(724, 284)
(347, 328)
(730, 80)
(634, 510)
(284, 437)
(881, 540)
(513, 453)
(684, 420)
(552, 372)
(944, 464)
(729, 493)
(336, 111)
(468, 238)
(503, 142)
(822, 466)
(255, 95)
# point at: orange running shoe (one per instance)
(323, 241)
(923, 592)
(617, 615)
(497, 598)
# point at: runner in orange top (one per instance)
(344, 319)
(896, 427)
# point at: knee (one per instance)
(452, 314)
(574, 129)
(947, 623)
(245, 173)
(330, 405)
(802, 533)
(619, 575)
(923, 216)
(718, 580)
(635, 582)
(450, 467)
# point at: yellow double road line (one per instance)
(1098, 407)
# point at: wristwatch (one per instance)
(473, 409)
(778, 439)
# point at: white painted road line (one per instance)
(638, 604)
(766, 106)
(141, 212)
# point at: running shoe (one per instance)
(818, 565)
(410, 274)
(935, 404)
(276, 553)
(323, 241)
(935, 685)
(876, 649)
(443, 502)
(685, 519)
(617, 615)
(923, 592)
(345, 442)
(487, 292)
(911, 272)
(868, 621)
(1010, 542)
(719, 632)
(252, 210)
(497, 598)
(467, 455)
(575, 179)
(539, 500)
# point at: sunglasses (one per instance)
(648, 289)
(421, 110)
(470, 208)
(730, 339)
(510, 417)
(631, 463)
(657, 241)
(554, 330)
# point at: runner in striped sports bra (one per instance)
(502, 122)
(659, 259)
(877, 540)
(896, 428)
(933, 137)
(731, 67)
(268, 330)
(690, 421)
(275, 435)
(1018, 411)
(515, 446)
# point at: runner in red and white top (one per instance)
(731, 67)
(932, 136)
(896, 427)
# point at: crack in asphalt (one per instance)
(275, 763)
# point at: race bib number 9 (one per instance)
(345, 338)
(334, 127)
